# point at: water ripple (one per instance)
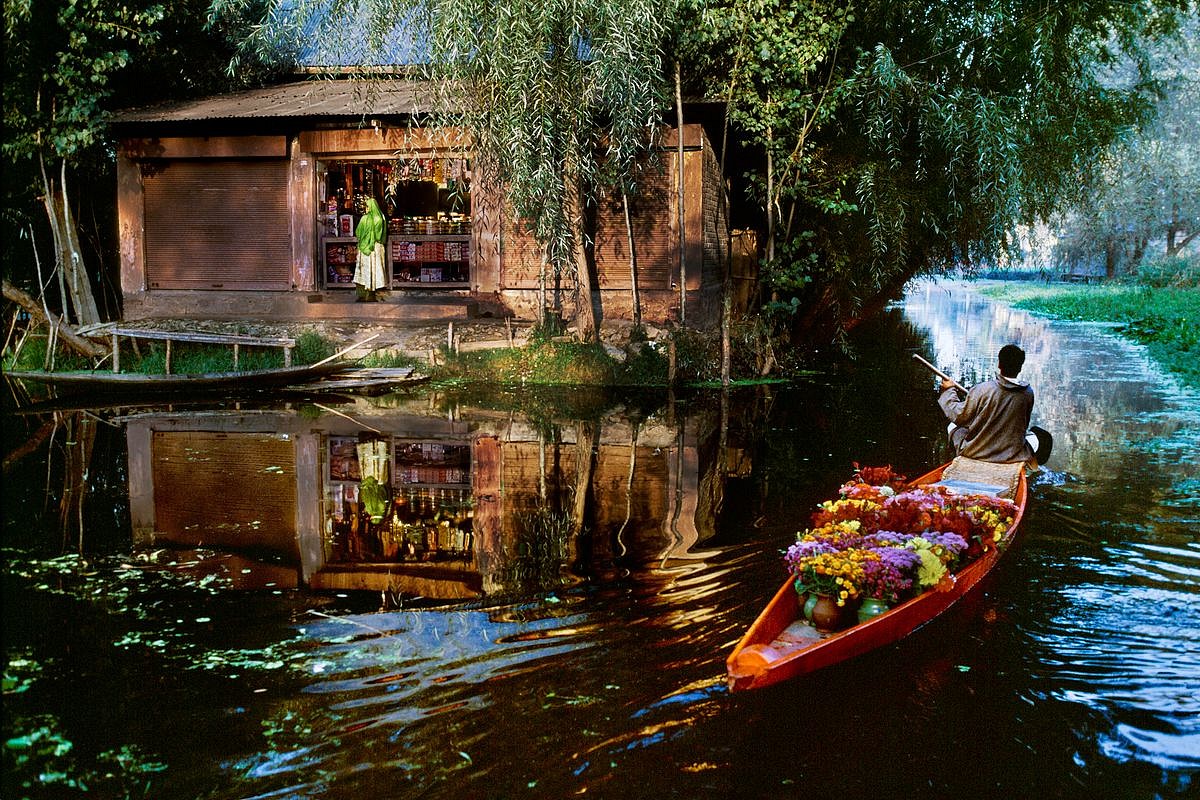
(1132, 653)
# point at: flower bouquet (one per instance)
(839, 574)
(877, 542)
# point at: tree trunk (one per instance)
(679, 196)
(38, 314)
(68, 254)
(635, 299)
(585, 311)
(770, 199)
(1176, 245)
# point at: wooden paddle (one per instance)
(940, 374)
(345, 350)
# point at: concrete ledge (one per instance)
(295, 306)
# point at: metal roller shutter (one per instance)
(217, 225)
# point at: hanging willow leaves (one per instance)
(561, 98)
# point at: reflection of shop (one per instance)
(427, 202)
(277, 498)
(429, 513)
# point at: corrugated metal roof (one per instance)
(311, 98)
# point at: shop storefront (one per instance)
(427, 202)
(246, 205)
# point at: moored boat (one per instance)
(108, 382)
(780, 645)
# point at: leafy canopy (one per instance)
(558, 96)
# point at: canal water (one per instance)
(198, 603)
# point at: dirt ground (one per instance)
(413, 339)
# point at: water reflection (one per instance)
(578, 572)
(1115, 564)
(409, 502)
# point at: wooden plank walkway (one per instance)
(237, 340)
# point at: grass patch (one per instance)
(32, 357)
(1165, 320)
(312, 347)
(390, 359)
(190, 359)
(543, 362)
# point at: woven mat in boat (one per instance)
(968, 476)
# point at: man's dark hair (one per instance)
(1012, 358)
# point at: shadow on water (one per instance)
(514, 595)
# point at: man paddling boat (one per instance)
(989, 422)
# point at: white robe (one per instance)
(370, 272)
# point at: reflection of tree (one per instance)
(536, 552)
(76, 432)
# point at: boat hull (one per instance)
(211, 381)
(763, 658)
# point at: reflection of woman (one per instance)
(373, 464)
(369, 274)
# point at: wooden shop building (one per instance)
(244, 207)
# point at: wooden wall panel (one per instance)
(385, 141)
(205, 147)
(654, 234)
(225, 490)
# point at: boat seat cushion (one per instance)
(969, 476)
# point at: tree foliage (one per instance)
(561, 98)
(1144, 203)
(920, 133)
(68, 63)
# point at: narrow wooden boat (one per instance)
(779, 645)
(108, 382)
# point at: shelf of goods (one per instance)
(339, 256)
(430, 516)
(430, 260)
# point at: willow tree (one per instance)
(560, 98)
(915, 136)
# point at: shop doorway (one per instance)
(427, 202)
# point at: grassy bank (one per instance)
(1165, 320)
(550, 363)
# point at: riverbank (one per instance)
(484, 351)
(1166, 320)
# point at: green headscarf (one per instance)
(370, 228)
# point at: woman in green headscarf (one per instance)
(370, 275)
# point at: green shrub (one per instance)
(1181, 272)
(312, 347)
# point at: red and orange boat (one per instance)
(780, 645)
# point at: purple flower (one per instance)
(885, 539)
(891, 577)
(952, 542)
(802, 550)
(899, 558)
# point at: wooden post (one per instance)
(235, 357)
(116, 341)
(450, 336)
(287, 356)
(679, 196)
(168, 370)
